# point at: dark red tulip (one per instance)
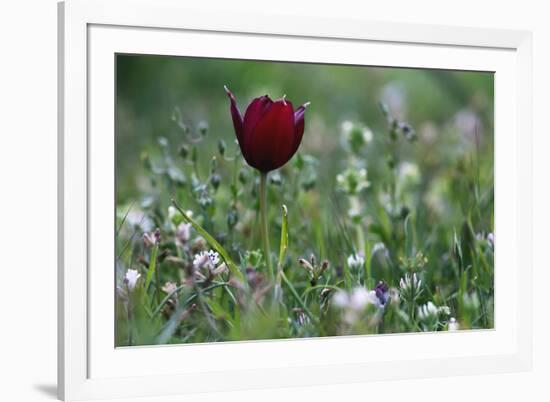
(270, 132)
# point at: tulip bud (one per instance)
(270, 132)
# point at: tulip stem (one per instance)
(263, 218)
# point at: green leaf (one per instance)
(284, 239)
(152, 266)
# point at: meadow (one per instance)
(380, 222)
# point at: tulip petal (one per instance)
(271, 143)
(236, 116)
(254, 112)
(299, 124)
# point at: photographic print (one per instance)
(272, 200)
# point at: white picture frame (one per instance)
(91, 32)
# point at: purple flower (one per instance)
(381, 292)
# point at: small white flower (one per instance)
(214, 257)
(347, 126)
(453, 324)
(355, 213)
(340, 299)
(408, 172)
(427, 310)
(367, 134)
(183, 232)
(206, 259)
(394, 95)
(393, 294)
(410, 282)
(445, 310)
(491, 240)
(466, 122)
(151, 239)
(220, 269)
(380, 247)
(359, 299)
(131, 277)
(353, 181)
(140, 220)
(169, 287)
(172, 212)
(356, 260)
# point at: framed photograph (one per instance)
(248, 202)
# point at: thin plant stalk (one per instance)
(263, 219)
(153, 271)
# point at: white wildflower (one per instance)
(340, 299)
(408, 172)
(353, 181)
(131, 277)
(380, 247)
(466, 122)
(453, 324)
(491, 240)
(367, 134)
(356, 135)
(395, 97)
(152, 238)
(183, 232)
(173, 213)
(359, 299)
(356, 260)
(410, 282)
(393, 294)
(347, 126)
(445, 310)
(138, 219)
(206, 259)
(169, 287)
(428, 310)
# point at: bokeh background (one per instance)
(445, 107)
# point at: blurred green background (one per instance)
(445, 107)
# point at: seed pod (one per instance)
(221, 147)
(203, 128)
(215, 180)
